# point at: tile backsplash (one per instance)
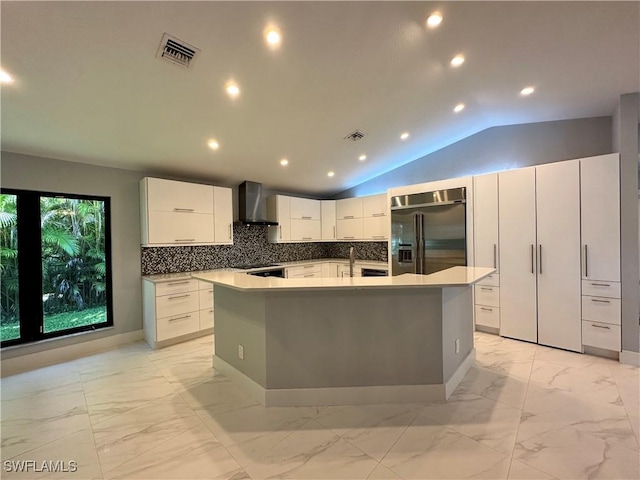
(250, 246)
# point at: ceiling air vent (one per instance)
(176, 51)
(355, 136)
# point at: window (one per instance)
(55, 265)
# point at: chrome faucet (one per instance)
(352, 260)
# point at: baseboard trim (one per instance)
(32, 361)
(459, 374)
(299, 397)
(630, 358)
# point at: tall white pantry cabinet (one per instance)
(558, 252)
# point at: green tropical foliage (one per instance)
(73, 260)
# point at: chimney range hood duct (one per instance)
(250, 207)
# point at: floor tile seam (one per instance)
(513, 449)
(364, 453)
(626, 410)
(607, 441)
(148, 450)
(41, 445)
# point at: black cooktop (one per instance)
(246, 266)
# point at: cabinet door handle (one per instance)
(184, 317)
(306, 238)
(540, 260)
(495, 256)
(600, 301)
(179, 296)
(306, 218)
(348, 216)
(229, 231)
(334, 231)
(600, 285)
(310, 275)
(280, 230)
(532, 262)
(185, 240)
(600, 326)
(486, 309)
(308, 266)
(586, 260)
(486, 288)
(184, 210)
(348, 237)
(178, 283)
(377, 215)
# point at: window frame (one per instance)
(30, 266)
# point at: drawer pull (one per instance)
(179, 296)
(378, 215)
(600, 301)
(600, 326)
(306, 218)
(185, 240)
(348, 216)
(310, 275)
(306, 238)
(308, 266)
(185, 210)
(178, 283)
(486, 288)
(348, 237)
(601, 284)
(486, 309)
(184, 317)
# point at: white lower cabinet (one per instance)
(172, 310)
(344, 271)
(487, 302)
(488, 316)
(205, 297)
(329, 270)
(312, 270)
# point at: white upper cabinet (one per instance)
(375, 206)
(347, 208)
(279, 210)
(179, 213)
(328, 218)
(558, 255)
(305, 230)
(517, 237)
(375, 228)
(223, 215)
(304, 208)
(350, 228)
(600, 197)
(171, 196)
(485, 211)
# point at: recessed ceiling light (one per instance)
(233, 90)
(284, 162)
(330, 174)
(458, 108)
(272, 36)
(213, 145)
(362, 158)
(434, 20)
(404, 136)
(5, 77)
(457, 60)
(527, 91)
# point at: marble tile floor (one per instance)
(522, 412)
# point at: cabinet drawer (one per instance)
(488, 295)
(206, 318)
(306, 230)
(310, 274)
(176, 286)
(206, 298)
(601, 335)
(487, 316)
(492, 280)
(304, 270)
(350, 229)
(180, 228)
(177, 325)
(601, 309)
(177, 304)
(601, 289)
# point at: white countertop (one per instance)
(452, 277)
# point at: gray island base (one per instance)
(345, 341)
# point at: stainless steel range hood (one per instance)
(250, 205)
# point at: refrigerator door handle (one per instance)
(418, 228)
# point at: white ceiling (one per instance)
(88, 87)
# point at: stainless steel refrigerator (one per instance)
(428, 231)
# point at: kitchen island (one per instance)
(331, 341)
